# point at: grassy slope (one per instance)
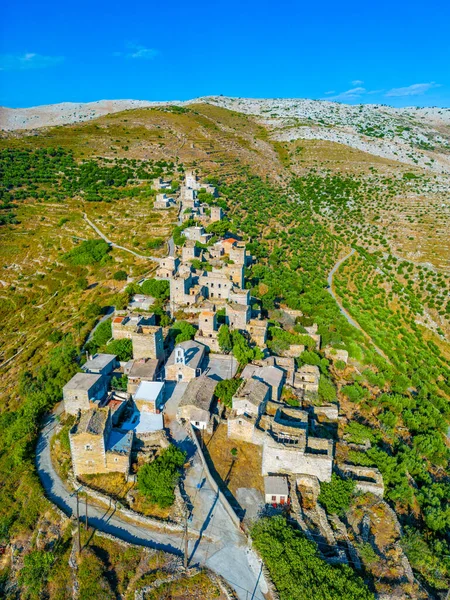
(219, 142)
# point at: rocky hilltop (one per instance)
(416, 136)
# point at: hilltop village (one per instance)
(274, 402)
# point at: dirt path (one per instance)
(344, 312)
(108, 241)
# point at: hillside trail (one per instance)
(344, 312)
(114, 245)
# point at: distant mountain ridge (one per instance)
(416, 136)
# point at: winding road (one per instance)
(344, 312)
(220, 545)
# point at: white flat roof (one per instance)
(149, 390)
(144, 422)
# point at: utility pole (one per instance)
(78, 525)
(186, 549)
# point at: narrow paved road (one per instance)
(346, 314)
(224, 550)
(108, 241)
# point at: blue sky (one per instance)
(394, 52)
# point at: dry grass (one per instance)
(246, 471)
(116, 486)
(197, 587)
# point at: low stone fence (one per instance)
(212, 482)
(127, 512)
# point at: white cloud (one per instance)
(330, 92)
(412, 90)
(357, 82)
(138, 51)
(351, 94)
(28, 60)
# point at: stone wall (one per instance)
(117, 463)
(279, 458)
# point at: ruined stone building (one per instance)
(197, 234)
(96, 447)
(216, 214)
(190, 252)
(307, 378)
(83, 391)
(257, 329)
(163, 201)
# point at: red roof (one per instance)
(118, 319)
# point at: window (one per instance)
(88, 447)
(274, 498)
(116, 460)
(197, 423)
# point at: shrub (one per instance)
(182, 331)
(156, 288)
(226, 389)
(123, 349)
(297, 569)
(88, 252)
(336, 495)
(120, 276)
(157, 480)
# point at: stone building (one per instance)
(257, 329)
(287, 364)
(307, 378)
(147, 338)
(197, 234)
(367, 479)
(235, 273)
(149, 396)
(315, 457)
(243, 428)
(216, 285)
(273, 377)
(190, 251)
(336, 354)
(195, 405)
(143, 369)
(238, 254)
(101, 364)
(183, 291)
(237, 316)
(186, 361)
(163, 201)
(276, 490)
(251, 398)
(216, 214)
(167, 267)
(83, 390)
(96, 447)
(191, 180)
(240, 296)
(161, 184)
